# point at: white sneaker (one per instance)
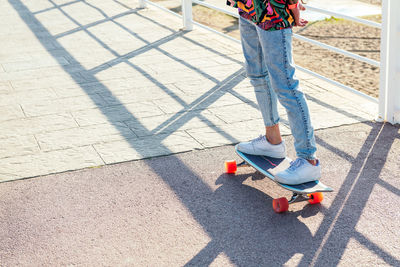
(300, 171)
(261, 146)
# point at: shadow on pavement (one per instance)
(238, 218)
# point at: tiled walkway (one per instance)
(88, 83)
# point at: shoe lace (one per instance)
(296, 164)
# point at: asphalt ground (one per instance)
(182, 210)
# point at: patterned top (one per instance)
(270, 15)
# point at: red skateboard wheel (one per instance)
(315, 197)
(280, 205)
(230, 166)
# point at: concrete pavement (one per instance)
(89, 84)
(182, 210)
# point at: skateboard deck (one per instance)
(310, 191)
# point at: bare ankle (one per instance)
(274, 141)
(273, 134)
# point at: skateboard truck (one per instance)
(298, 198)
(243, 164)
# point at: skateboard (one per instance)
(310, 191)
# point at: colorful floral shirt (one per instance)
(269, 15)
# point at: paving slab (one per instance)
(108, 79)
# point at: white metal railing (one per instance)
(320, 44)
(343, 16)
(389, 92)
(338, 50)
(202, 3)
(305, 39)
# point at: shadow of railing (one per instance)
(339, 224)
(275, 231)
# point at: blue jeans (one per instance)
(271, 70)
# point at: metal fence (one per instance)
(389, 88)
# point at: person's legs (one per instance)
(257, 72)
(277, 52)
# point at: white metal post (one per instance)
(393, 62)
(142, 3)
(187, 15)
(389, 99)
(383, 62)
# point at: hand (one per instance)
(296, 15)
